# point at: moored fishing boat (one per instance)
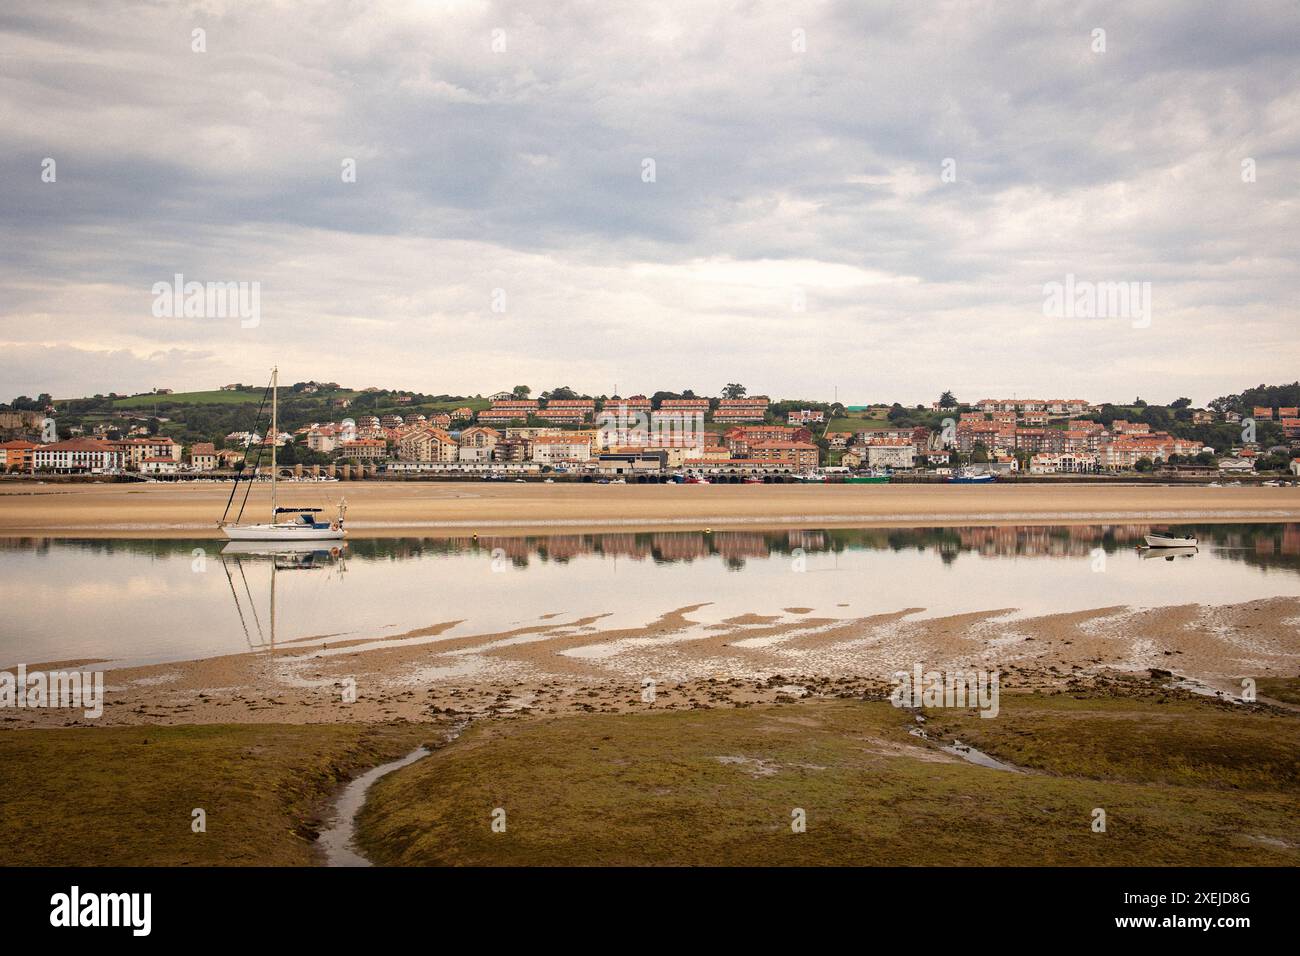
(1165, 539)
(968, 477)
(870, 477)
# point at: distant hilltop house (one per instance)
(806, 416)
(1269, 414)
(632, 405)
(567, 411)
(1055, 407)
(508, 409)
(741, 410)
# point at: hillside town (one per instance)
(734, 437)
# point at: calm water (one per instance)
(132, 601)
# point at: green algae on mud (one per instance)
(126, 796)
(1182, 781)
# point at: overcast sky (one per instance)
(798, 234)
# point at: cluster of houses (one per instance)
(95, 455)
(618, 446)
(1288, 417)
(1079, 447)
(633, 435)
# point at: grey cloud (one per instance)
(225, 165)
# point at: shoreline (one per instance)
(401, 509)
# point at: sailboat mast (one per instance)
(275, 431)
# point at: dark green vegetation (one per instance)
(1281, 688)
(123, 796)
(1182, 781)
(211, 415)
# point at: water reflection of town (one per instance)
(1263, 545)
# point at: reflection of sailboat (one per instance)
(266, 549)
(1167, 553)
(285, 556)
(305, 527)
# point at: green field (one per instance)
(477, 404)
(215, 397)
(253, 397)
(856, 423)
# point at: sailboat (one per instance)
(305, 526)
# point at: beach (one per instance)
(393, 509)
(563, 665)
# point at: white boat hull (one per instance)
(281, 532)
(1155, 541)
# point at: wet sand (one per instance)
(392, 509)
(562, 665)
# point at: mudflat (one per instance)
(397, 508)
